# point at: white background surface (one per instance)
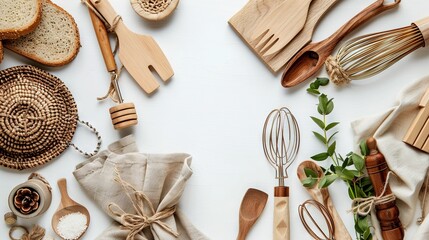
(214, 108)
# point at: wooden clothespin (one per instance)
(418, 132)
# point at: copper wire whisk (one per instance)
(368, 55)
(305, 213)
(281, 140)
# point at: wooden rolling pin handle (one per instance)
(388, 213)
(103, 42)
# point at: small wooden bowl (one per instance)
(154, 10)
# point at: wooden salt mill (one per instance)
(123, 115)
(387, 213)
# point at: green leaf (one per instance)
(331, 148)
(314, 85)
(327, 180)
(363, 223)
(323, 102)
(310, 173)
(319, 122)
(329, 107)
(351, 194)
(345, 163)
(313, 91)
(330, 138)
(355, 173)
(320, 137)
(358, 161)
(309, 182)
(363, 148)
(322, 81)
(367, 234)
(320, 156)
(347, 174)
(331, 125)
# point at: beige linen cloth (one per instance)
(409, 164)
(161, 178)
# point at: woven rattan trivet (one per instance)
(38, 117)
(154, 10)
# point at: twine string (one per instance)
(41, 178)
(135, 223)
(363, 206)
(337, 74)
(97, 134)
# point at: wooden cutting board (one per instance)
(245, 21)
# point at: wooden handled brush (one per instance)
(387, 212)
(365, 56)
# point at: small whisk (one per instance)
(368, 55)
(305, 213)
(281, 140)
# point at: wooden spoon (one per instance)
(67, 206)
(312, 57)
(322, 196)
(252, 205)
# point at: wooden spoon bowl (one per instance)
(251, 207)
(67, 206)
(322, 196)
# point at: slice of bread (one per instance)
(55, 42)
(19, 17)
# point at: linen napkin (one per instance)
(408, 163)
(120, 178)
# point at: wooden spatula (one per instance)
(280, 26)
(251, 207)
(138, 53)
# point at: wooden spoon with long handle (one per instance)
(312, 57)
(322, 195)
(252, 205)
(138, 53)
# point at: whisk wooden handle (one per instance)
(281, 228)
(387, 213)
(372, 10)
(103, 41)
(423, 26)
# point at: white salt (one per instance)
(72, 226)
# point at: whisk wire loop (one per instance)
(281, 140)
(304, 213)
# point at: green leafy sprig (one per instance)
(349, 168)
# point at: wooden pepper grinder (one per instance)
(387, 213)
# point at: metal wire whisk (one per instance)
(365, 56)
(281, 140)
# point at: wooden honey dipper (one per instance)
(387, 212)
(123, 115)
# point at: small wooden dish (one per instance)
(154, 10)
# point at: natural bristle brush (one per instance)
(365, 56)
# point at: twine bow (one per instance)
(135, 223)
(363, 206)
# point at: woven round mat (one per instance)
(38, 117)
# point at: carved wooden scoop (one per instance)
(322, 195)
(252, 205)
(312, 57)
(67, 206)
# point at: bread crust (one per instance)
(24, 30)
(1, 51)
(52, 63)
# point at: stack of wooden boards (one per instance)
(38, 30)
(418, 133)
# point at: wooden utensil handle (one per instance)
(281, 228)
(62, 185)
(103, 41)
(106, 10)
(366, 14)
(388, 213)
(340, 229)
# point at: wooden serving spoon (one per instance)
(322, 195)
(251, 207)
(312, 57)
(67, 206)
